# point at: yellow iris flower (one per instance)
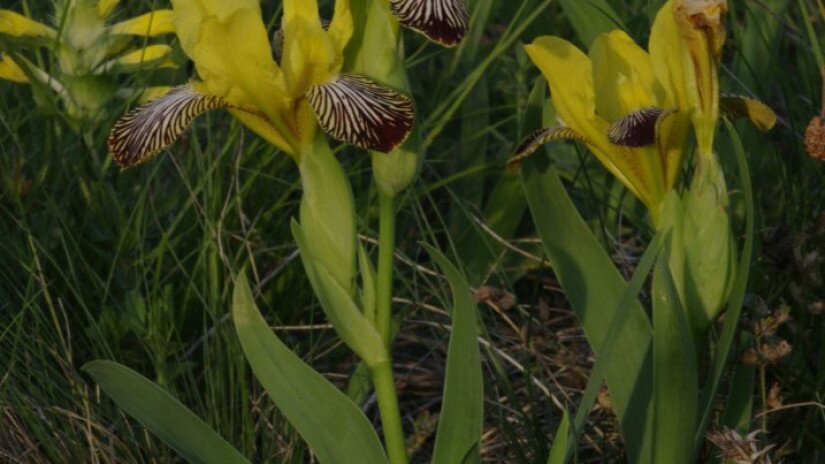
(283, 95)
(88, 51)
(634, 108)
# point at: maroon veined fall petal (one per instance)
(639, 128)
(361, 112)
(149, 129)
(442, 21)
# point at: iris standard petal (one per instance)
(306, 10)
(629, 96)
(310, 56)
(151, 24)
(666, 55)
(229, 45)
(623, 76)
(341, 27)
(569, 73)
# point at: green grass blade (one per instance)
(594, 286)
(333, 426)
(737, 294)
(462, 413)
(562, 442)
(739, 404)
(590, 18)
(675, 374)
(164, 415)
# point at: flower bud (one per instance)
(377, 52)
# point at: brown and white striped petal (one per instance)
(151, 128)
(540, 137)
(639, 128)
(737, 106)
(362, 112)
(442, 21)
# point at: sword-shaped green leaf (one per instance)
(462, 413)
(162, 414)
(333, 426)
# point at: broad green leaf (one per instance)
(675, 373)
(349, 322)
(164, 415)
(562, 442)
(462, 412)
(737, 295)
(590, 18)
(594, 286)
(333, 426)
(608, 349)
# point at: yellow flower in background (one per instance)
(634, 109)
(283, 102)
(88, 51)
(613, 101)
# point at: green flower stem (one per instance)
(386, 250)
(382, 377)
(390, 415)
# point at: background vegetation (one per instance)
(132, 266)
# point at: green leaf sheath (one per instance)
(675, 376)
(333, 426)
(594, 286)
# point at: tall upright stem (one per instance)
(382, 374)
(390, 414)
(386, 251)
